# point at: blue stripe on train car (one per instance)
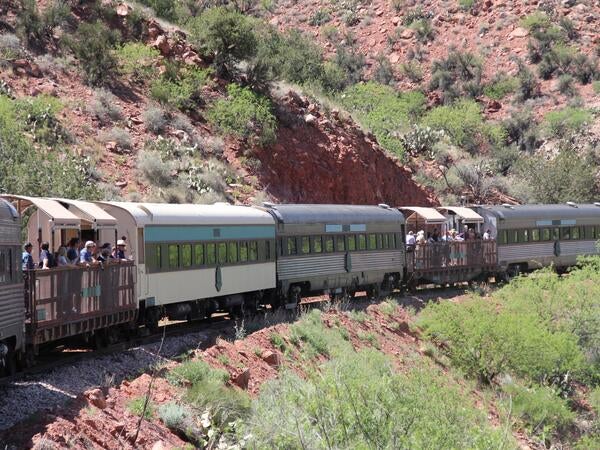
(207, 233)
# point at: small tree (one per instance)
(226, 35)
(93, 44)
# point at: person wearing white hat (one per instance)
(87, 254)
(120, 251)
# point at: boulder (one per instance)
(519, 32)
(96, 398)
(407, 34)
(162, 44)
(310, 119)
(242, 379)
(154, 30)
(272, 358)
(123, 10)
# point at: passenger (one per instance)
(47, 260)
(62, 259)
(87, 254)
(471, 234)
(410, 238)
(487, 235)
(421, 237)
(73, 251)
(26, 258)
(436, 235)
(120, 252)
(429, 239)
(105, 255)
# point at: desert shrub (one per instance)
(167, 9)
(521, 130)
(466, 5)
(105, 107)
(154, 170)
(561, 122)
(461, 121)
(360, 402)
(385, 112)
(92, 44)
(596, 87)
(278, 341)
(36, 28)
(118, 135)
(334, 78)
(245, 114)
(139, 407)
(540, 410)
(415, 14)
(528, 86)
(38, 115)
(501, 86)
(319, 17)
(172, 415)
(487, 338)
(195, 371)
(384, 73)
(10, 46)
(412, 70)
(424, 30)
(584, 69)
(460, 73)
(352, 62)
(420, 141)
(156, 120)
(179, 87)
(558, 60)
(226, 35)
(566, 85)
(137, 60)
(569, 28)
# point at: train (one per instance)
(189, 261)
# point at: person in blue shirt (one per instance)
(26, 258)
(87, 254)
(120, 251)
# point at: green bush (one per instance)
(226, 35)
(486, 339)
(352, 62)
(245, 114)
(596, 87)
(92, 44)
(541, 411)
(500, 87)
(180, 86)
(163, 8)
(319, 17)
(561, 122)
(566, 85)
(424, 30)
(384, 111)
(172, 415)
(36, 28)
(358, 401)
(458, 74)
(384, 72)
(136, 407)
(196, 372)
(137, 60)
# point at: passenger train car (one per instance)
(189, 261)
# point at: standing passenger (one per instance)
(26, 258)
(120, 252)
(62, 260)
(487, 235)
(73, 251)
(87, 254)
(46, 257)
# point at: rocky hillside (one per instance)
(129, 98)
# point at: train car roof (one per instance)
(193, 214)
(544, 212)
(8, 211)
(341, 214)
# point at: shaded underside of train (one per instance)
(189, 261)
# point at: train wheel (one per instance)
(373, 292)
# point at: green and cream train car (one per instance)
(337, 250)
(534, 236)
(193, 260)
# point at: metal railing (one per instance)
(475, 253)
(65, 295)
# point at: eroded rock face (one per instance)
(328, 159)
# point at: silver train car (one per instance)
(337, 250)
(534, 236)
(12, 309)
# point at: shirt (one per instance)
(120, 254)
(486, 236)
(45, 254)
(27, 261)
(410, 239)
(85, 256)
(72, 255)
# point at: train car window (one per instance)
(513, 236)
(173, 256)
(3, 267)
(243, 251)
(503, 237)
(186, 255)
(546, 234)
(198, 254)
(590, 232)
(305, 241)
(555, 234)
(393, 241)
(340, 243)
(158, 256)
(379, 241)
(329, 244)
(291, 246)
(372, 242)
(232, 253)
(221, 252)
(141, 246)
(351, 243)
(535, 234)
(575, 233)
(598, 231)
(362, 242)
(280, 247)
(386, 241)
(565, 233)
(252, 251)
(211, 254)
(317, 244)
(524, 236)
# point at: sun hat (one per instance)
(121, 242)
(90, 244)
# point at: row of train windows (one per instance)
(549, 234)
(176, 256)
(303, 245)
(7, 265)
